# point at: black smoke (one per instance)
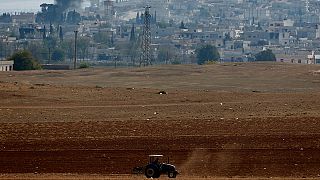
(63, 5)
(59, 12)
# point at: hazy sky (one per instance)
(22, 4)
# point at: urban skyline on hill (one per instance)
(22, 5)
(113, 30)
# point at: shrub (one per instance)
(23, 60)
(84, 65)
(266, 55)
(207, 53)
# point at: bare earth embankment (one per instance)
(250, 121)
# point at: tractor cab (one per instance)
(155, 159)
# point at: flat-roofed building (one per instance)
(6, 65)
(24, 18)
(317, 59)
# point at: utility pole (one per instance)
(5, 50)
(146, 38)
(49, 55)
(9, 49)
(60, 34)
(167, 58)
(75, 49)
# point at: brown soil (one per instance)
(232, 120)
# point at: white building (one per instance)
(317, 59)
(6, 65)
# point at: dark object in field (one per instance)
(155, 168)
(162, 92)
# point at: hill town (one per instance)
(112, 32)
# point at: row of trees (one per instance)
(23, 60)
(209, 53)
(51, 50)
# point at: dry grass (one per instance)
(247, 77)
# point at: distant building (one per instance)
(24, 18)
(6, 65)
(109, 10)
(317, 59)
(313, 58)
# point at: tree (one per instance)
(38, 51)
(3, 49)
(207, 53)
(182, 26)
(165, 54)
(103, 38)
(83, 45)
(133, 33)
(23, 60)
(58, 55)
(61, 34)
(50, 42)
(266, 55)
(68, 47)
(84, 65)
(73, 17)
(162, 24)
(134, 50)
(227, 37)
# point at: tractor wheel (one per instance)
(152, 171)
(172, 174)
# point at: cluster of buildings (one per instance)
(238, 28)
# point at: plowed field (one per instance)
(233, 120)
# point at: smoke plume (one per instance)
(68, 4)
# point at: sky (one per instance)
(22, 5)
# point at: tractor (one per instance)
(155, 168)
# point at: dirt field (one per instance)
(229, 121)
